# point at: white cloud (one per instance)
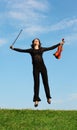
(2, 41)
(58, 101)
(28, 4)
(31, 15)
(73, 97)
(38, 5)
(68, 102)
(63, 24)
(31, 30)
(28, 9)
(71, 39)
(16, 15)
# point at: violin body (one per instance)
(57, 54)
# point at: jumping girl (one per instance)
(36, 52)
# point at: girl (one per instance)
(36, 52)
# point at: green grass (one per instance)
(38, 120)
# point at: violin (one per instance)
(57, 54)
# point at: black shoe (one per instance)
(49, 101)
(36, 104)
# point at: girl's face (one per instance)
(36, 42)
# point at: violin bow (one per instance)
(17, 37)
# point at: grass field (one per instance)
(38, 120)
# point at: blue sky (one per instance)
(50, 21)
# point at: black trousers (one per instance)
(36, 74)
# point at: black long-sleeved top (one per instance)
(36, 54)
